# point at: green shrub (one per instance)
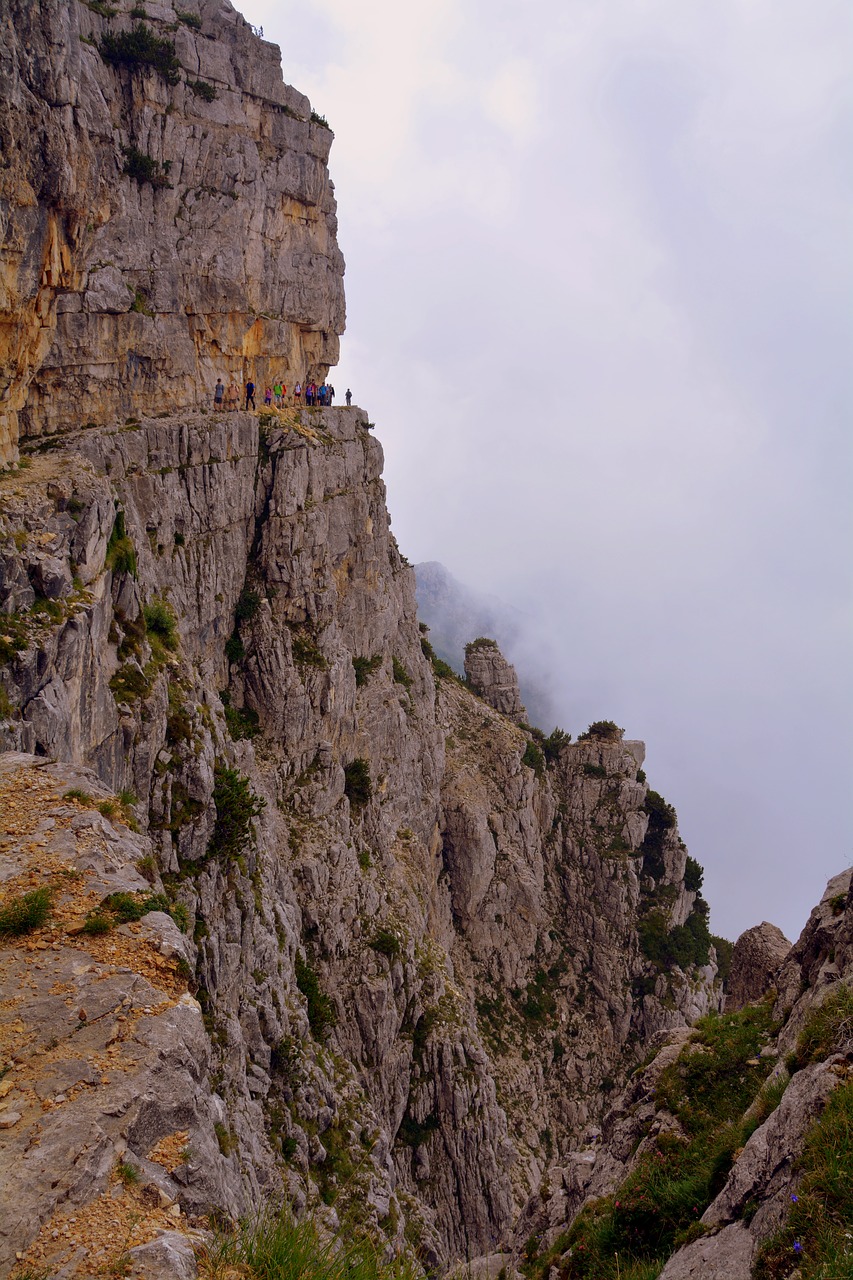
(307, 654)
(662, 818)
(724, 950)
(386, 942)
(188, 19)
(97, 923)
(318, 119)
(235, 650)
(554, 743)
(606, 729)
(236, 806)
(129, 683)
(594, 770)
(160, 623)
(482, 642)
(641, 775)
(203, 89)
(242, 722)
(683, 945)
(401, 675)
(25, 912)
(365, 667)
(534, 759)
(141, 48)
(144, 168)
(321, 1011)
(121, 553)
(78, 794)
(693, 875)
(247, 605)
(357, 785)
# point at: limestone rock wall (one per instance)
(121, 296)
(421, 976)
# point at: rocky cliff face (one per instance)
(424, 973)
(711, 1162)
(423, 944)
(166, 216)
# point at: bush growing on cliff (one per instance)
(236, 806)
(141, 48)
(160, 624)
(534, 759)
(22, 913)
(608, 730)
(144, 168)
(357, 785)
(121, 553)
(365, 667)
(321, 1011)
(203, 89)
(554, 743)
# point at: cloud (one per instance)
(598, 286)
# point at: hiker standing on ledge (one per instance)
(348, 397)
(218, 394)
(250, 394)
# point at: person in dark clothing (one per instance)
(348, 397)
(250, 394)
(330, 393)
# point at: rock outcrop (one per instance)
(803, 1056)
(756, 956)
(229, 626)
(166, 215)
(396, 952)
(495, 679)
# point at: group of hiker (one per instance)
(229, 397)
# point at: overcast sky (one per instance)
(599, 284)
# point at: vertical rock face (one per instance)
(458, 918)
(160, 228)
(426, 948)
(756, 957)
(494, 678)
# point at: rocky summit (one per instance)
(293, 918)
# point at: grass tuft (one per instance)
(23, 913)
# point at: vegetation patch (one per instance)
(161, 627)
(306, 652)
(188, 19)
(203, 89)
(401, 675)
(321, 1011)
(714, 1080)
(144, 168)
(276, 1247)
(236, 807)
(141, 48)
(594, 770)
(121, 553)
(607, 730)
(829, 1029)
(816, 1239)
(386, 942)
(534, 758)
(22, 913)
(365, 667)
(357, 785)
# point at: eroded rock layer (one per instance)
(417, 937)
(165, 218)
